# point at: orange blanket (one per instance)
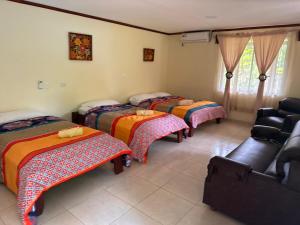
(124, 126)
(17, 153)
(181, 111)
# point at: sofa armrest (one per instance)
(263, 112)
(290, 122)
(229, 168)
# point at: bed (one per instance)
(138, 132)
(194, 114)
(34, 159)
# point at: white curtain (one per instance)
(231, 47)
(266, 48)
(244, 83)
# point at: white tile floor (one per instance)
(167, 190)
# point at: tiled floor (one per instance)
(167, 190)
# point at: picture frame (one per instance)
(80, 46)
(148, 54)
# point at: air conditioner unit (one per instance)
(196, 37)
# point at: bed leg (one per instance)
(179, 136)
(118, 165)
(218, 120)
(38, 207)
(185, 133)
(191, 131)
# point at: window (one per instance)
(245, 79)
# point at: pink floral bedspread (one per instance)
(103, 118)
(51, 168)
(153, 130)
(206, 114)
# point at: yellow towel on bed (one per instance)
(185, 102)
(72, 132)
(22, 151)
(144, 112)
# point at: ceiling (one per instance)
(172, 16)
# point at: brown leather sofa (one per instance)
(258, 183)
(284, 118)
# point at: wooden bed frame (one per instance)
(38, 208)
(80, 119)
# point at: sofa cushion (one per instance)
(290, 151)
(272, 121)
(256, 153)
(271, 170)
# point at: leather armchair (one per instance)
(258, 182)
(284, 118)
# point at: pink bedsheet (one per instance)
(203, 115)
(152, 130)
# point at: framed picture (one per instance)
(80, 47)
(149, 54)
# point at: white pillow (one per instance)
(161, 94)
(83, 110)
(96, 103)
(6, 117)
(136, 99)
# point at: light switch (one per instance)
(42, 85)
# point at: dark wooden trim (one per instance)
(148, 29)
(258, 27)
(85, 15)
(239, 28)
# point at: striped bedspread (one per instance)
(34, 158)
(194, 114)
(138, 132)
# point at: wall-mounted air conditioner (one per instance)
(204, 36)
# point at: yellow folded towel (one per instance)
(144, 112)
(186, 102)
(72, 132)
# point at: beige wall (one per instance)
(192, 68)
(34, 46)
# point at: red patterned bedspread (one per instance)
(197, 113)
(54, 167)
(47, 169)
(143, 135)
